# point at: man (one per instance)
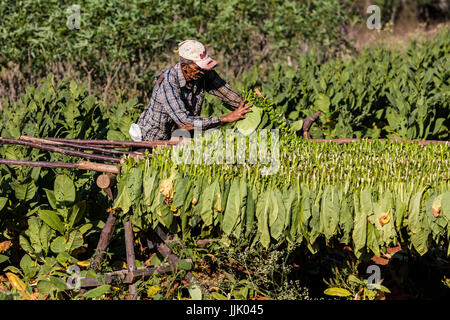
(178, 95)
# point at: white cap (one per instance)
(195, 51)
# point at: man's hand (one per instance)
(237, 114)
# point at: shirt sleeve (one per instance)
(215, 85)
(177, 111)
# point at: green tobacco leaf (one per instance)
(97, 292)
(75, 241)
(45, 235)
(323, 103)
(134, 183)
(420, 241)
(263, 207)
(25, 191)
(445, 203)
(3, 258)
(51, 198)
(58, 245)
(44, 286)
(58, 283)
(117, 135)
(206, 203)
(184, 265)
(149, 187)
(372, 239)
(330, 212)
(250, 211)
(296, 125)
(414, 218)
(28, 267)
(360, 220)
(52, 219)
(180, 192)
(76, 213)
(25, 245)
(123, 201)
(233, 208)
(250, 123)
(64, 190)
(278, 210)
(3, 202)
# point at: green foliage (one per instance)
(379, 94)
(368, 195)
(124, 44)
(346, 283)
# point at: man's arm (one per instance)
(216, 86)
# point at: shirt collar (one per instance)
(180, 75)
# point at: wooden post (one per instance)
(103, 242)
(129, 245)
(105, 182)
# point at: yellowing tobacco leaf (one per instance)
(5, 245)
(166, 187)
(152, 291)
(339, 292)
(20, 286)
(436, 206)
(385, 217)
(84, 263)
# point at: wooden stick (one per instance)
(83, 165)
(119, 276)
(129, 246)
(105, 181)
(77, 146)
(117, 143)
(348, 140)
(103, 242)
(59, 150)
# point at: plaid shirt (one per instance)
(173, 104)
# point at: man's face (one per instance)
(192, 72)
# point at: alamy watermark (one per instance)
(230, 147)
(74, 18)
(374, 280)
(374, 20)
(74, 281)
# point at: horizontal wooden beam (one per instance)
(349, 140)
(121, 275)
(83, 165)
(117, 143)
(73, 153)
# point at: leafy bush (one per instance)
(379, 94)
(123, 44)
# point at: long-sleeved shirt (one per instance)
(174, 104)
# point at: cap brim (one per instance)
(206, 64)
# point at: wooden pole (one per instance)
(83, 165)
(129, 246)
(117, 143)
(103, 242)
(131, 262)
(77, 146)
(348, 140)
(59, 150)
(105, 182)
